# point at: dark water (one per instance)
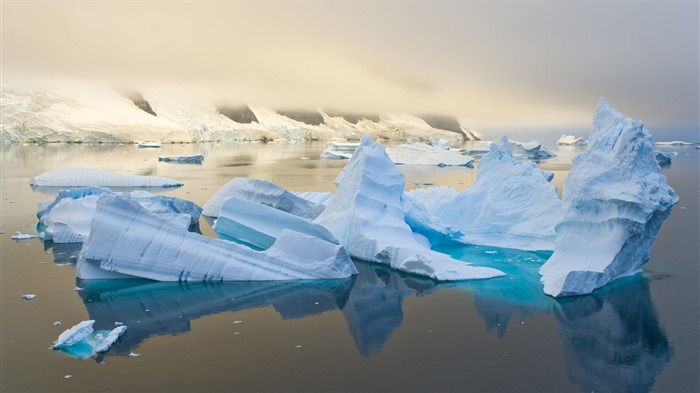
(380, 331)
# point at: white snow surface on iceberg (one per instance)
(511, 204)
(571, 140)
(87, 177)
(127, 239)
(263, 192)
(614, 202)
(68, 217)
(424, 154)
(74, 335)
(111, 338)
(260, 225)
(366, 216)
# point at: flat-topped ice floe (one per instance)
(86, 177)
(366, 216)
(82, 342)
(423, 154)
(675, 143)
(67, 218)
(614, 202)
(571, 140)
(195, 159)
(511, 204)
(263, 192)
(127, 240)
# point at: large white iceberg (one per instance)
(424, 154)
(511, 204)
(263, 192)
(366, 216)
(260, 225)
(87, 177)
(127, 240)
(68, 217)
(614, 202)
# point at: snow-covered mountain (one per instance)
(89, 113)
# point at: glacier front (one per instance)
(614, 202)
(127, 240)
(366, 216)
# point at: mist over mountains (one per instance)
(79, 114)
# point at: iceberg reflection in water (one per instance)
(611, 339)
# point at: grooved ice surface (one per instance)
(264, 192)
(614, 202)
(87, 177)
(260, 225)
(67, 218)
(127, 239)
(366, 216)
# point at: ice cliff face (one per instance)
(511, 204)
(614, 202)
(367, 217)
(67, 218)
(127, 240)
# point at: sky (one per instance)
(493, 64)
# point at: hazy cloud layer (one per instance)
(504, 62)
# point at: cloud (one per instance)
(495, 63)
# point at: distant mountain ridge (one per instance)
(102, 115)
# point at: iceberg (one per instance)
(259, 225)
(424, 154)
(320, 198)
(74, 335)
(614, 202)
(366, 216)
(22, 236)
(663, 159)
(68, 217)
(533, 150)
(511, 204)
(335, 155)
(675, 143)
(263, 192)
(86, 177)
(571, 140)
(196, 159)
(127, 240)
(111, 338)
(82, 342)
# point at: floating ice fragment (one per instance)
(28, 296)
(134, 354)
(196, 159)
(22, 236)
(74, 335)
(107, 342)
(56, 323)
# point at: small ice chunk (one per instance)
(134, 354)
(73, 335)
(28, 296)
(107, 342)
(22, 236)
(56, 323)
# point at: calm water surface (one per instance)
(380, 331)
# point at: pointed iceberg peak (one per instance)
(366, 140)
(614, 202)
